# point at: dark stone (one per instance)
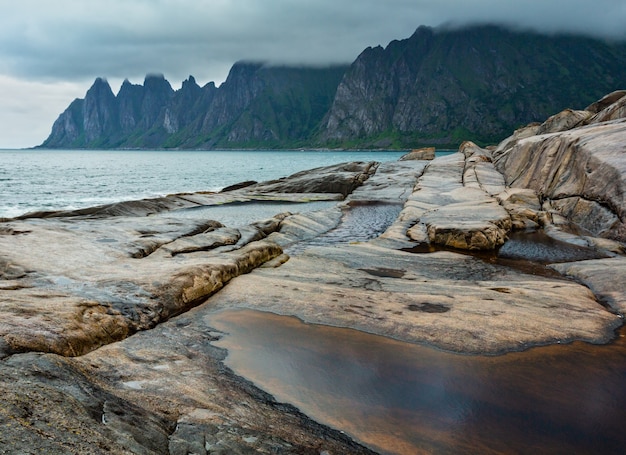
(426, 307)
(238, 186)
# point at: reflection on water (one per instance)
(539, 247)
(359, 223)
(407, 399)
(527, 252)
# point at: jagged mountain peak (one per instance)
(154, 77)
(157, 82)
(437, 87)
(100, 85)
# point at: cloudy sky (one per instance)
(51, 51)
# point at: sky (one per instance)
(52, 51)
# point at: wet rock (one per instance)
(74, 282)
(463, 303)
(393, 183)
(167, 393)
(82, 282)
(605, 277)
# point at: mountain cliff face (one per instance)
(441, 86)
(257, 106)
(437, 87)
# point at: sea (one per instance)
(35, 180)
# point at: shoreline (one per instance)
(120, 301)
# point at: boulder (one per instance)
(606, 101)
(339, 179)
(426, 153)
(563, 121)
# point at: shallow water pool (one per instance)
(401, 398)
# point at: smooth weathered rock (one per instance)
(74, 281)
(75, 311)
(456, 226)
(451, 301)
(587, 163)
(452, 205)
(605, 277)
(79, 284)
(160, 392)
(305, 226)
(606, 101)
(523, 206)
(563, 121)
(579, 170)
(391, 184)
(339, 179)
(426, 153)
(615, 110)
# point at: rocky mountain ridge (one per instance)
(257, 104)
(438, 87)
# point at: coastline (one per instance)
(117, 298)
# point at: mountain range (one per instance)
(438, 87)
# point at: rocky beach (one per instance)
(106, 339)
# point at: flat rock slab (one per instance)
(392, 183)
(71, 282)
(450, 301)
(605, 277)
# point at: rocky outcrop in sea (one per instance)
(106, 343)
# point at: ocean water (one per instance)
(33, 180)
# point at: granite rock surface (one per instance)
(106, 344)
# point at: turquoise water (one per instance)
(32, 180)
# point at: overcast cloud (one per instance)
(51, 51)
